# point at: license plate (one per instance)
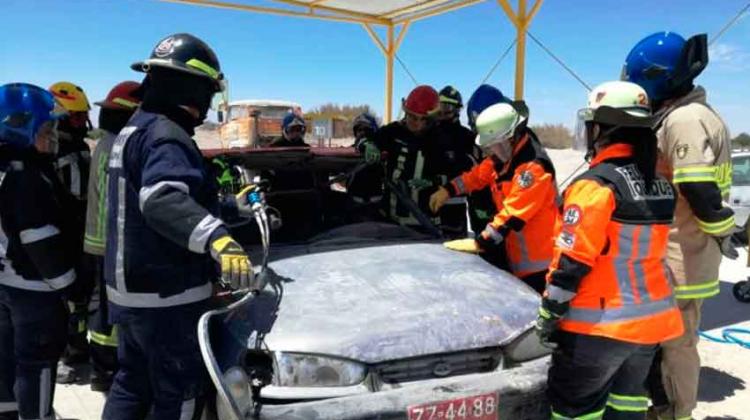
(479, 407)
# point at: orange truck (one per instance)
(252, 123)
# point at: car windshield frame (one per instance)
(741, 171)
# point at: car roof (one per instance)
(333, 159)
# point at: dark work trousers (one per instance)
(32, 338)
(103, 345)
(79, 299)
(655, 384)
(161, 370)
(595, 376)
(537, 281)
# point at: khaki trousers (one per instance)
(681, 365)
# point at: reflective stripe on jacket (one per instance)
(35, 238)
(159, 216)
(96, 212)
(525, 191)
(610, 253)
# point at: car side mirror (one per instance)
(220, 116)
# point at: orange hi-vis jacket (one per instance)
(525, 192)
(609, 258)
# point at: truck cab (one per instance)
(252, 123)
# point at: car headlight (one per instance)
(239, 390)
(526, 347)
(307, 370)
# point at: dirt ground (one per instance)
(725, 375)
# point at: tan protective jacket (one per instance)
(694, 146)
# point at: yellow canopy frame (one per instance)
(399, 16)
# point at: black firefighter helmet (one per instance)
(184, 53)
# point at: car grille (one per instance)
(439, 365)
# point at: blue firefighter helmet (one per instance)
(24, 108)
(665, 63)
(292, 120)
(366, 121)
(482, 98)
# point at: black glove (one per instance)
(727, 248)
(489, 239)
(549, 317)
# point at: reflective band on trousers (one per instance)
(8, 406)
(103, 339)
(591, 416)
(628, 403)
(697, 291)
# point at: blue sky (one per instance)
(93, 42)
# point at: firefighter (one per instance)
(35, 268)
(116, 110)
(695, 150)
(608, 301)
(364, 127)
(293, 129)
(456, 143)
(411, 159)
(481, 204)
(365, 187)
(73, 162)
(522, 181)
(163, 235)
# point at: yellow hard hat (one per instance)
(70, 96)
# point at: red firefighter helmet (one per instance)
(422, 101)
(122, 96)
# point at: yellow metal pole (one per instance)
(401, 34)
(391, 52)
(520, 48)
(375, 38)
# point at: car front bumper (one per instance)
(520, 390)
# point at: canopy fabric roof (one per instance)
(391, 14)
(383, 12)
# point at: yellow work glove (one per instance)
(236, 269)
(438, 199)
(463, 245)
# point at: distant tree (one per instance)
(331, 110)
(742, 141)
(554, 136)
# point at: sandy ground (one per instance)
(725, 375)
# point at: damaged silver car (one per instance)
(365, 319)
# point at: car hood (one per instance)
(387, 302)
